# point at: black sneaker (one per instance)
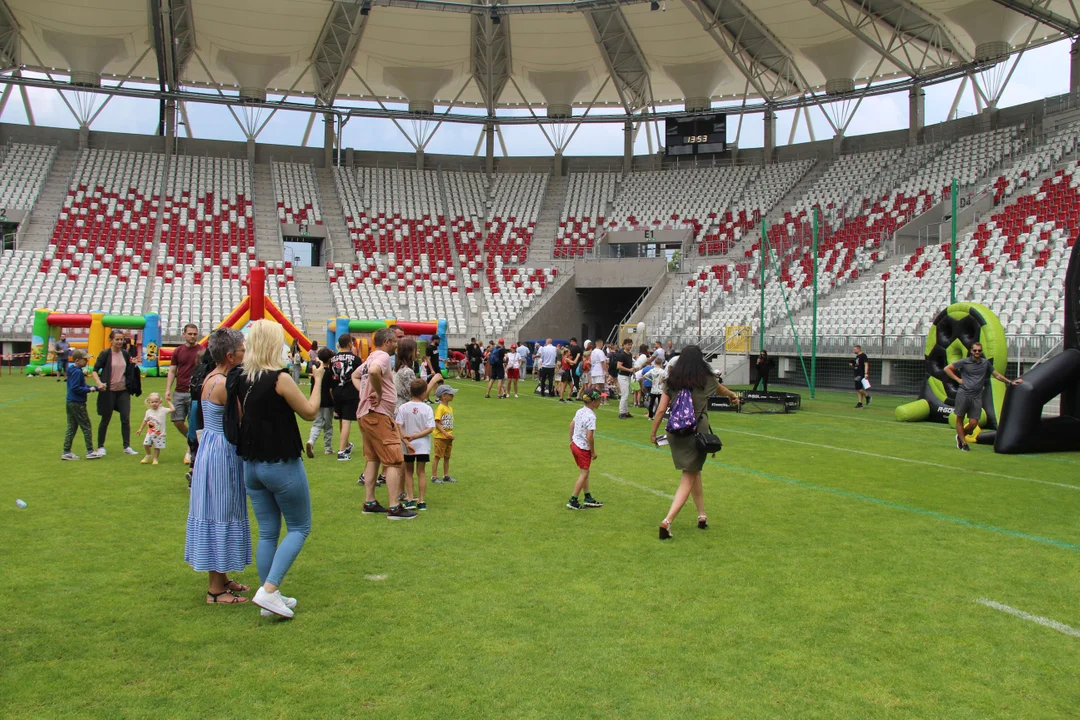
(380, 481)
(188, 476)
(702, 523)
(448, 479)
(436, 481)
(360, 480)
(400, 512)
(966, 448)
(858, 405)
(349, 448)
(591, 502)
(867, 401)
(959, 444)
(574, 504)
(374, 509)
(344, 456)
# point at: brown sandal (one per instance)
(235, 599)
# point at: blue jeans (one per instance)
(277, 489)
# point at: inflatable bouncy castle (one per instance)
(953, 332)
(1023, 428)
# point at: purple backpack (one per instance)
(682, 419)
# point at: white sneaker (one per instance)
(289, 603)
(101, 452)
(129, 451)
(69, 456)
(272, 602)
(93, 455)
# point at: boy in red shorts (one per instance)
(583, 447)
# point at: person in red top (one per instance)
(374, 381)
(184, 359)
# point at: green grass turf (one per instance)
(830, 584)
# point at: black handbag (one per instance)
(707, 443)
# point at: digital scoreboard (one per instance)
(696, 135)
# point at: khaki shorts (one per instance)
(381, 441)
(442, 448)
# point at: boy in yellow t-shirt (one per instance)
(444, 434)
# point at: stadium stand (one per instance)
(297, 191)
(99, 255)
(587, 197)
(22, 174)
(678, 199)
(208, 244)
(404, 268)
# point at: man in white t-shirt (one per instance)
(598, 367)
(548, 355)
(658, 351)
(513, 369)
(416, 421)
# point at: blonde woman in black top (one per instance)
(270, 444)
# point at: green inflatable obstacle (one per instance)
(954, 331)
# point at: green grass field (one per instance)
(838, 579)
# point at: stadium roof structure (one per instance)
(645, 57)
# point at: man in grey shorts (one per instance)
(974, 371)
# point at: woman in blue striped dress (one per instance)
(218, 533)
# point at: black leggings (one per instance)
(763, 380)
(120, 402)
(654, 401)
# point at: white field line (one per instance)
(1045, 622)
(865, 452)
(898, 459)
(646, 488)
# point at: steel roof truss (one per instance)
(491, 60)
(1040, 10)
(335, 49)
(762, 59)
(625, 62)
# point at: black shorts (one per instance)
(346, 408)
(858, 383)
(566, 376)
(412, 459)
(498, 372)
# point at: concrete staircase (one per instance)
(34, 233)
(341, 247)
(547, 222)
(268, 245)
(315, 299)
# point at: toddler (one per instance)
(444, 434)
(154, 422)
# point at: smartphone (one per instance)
(661, 441)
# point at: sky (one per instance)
(1041, 72)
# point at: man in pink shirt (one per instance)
(382, 437)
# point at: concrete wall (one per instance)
(626, 273)
(562, 315)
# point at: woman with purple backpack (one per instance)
(690, 384)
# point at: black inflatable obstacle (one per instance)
(1022, 428)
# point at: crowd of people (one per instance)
(237, 400)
